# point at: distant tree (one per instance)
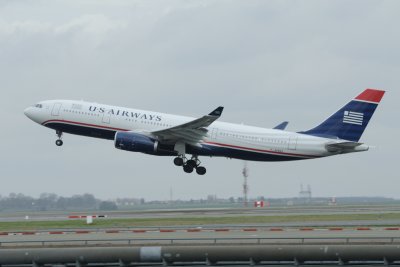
(86, 201)
(47, 201)
(107, 205)
(16, 202)
(61, 203)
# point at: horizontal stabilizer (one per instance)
(281, 126)
(346, 146)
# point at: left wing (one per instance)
(191, 132)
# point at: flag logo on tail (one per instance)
(352, 117)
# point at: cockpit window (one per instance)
(39, 106)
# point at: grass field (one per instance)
(191, 221)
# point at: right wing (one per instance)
(282, 126)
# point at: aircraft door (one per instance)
(106, 118)
(214, 133)
(56, 109)
(292, 143)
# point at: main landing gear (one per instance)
(190, 165)
(59, 142)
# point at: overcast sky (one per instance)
(264, 61)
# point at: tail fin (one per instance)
(349, 122)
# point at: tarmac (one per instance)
(205, 212)
(196, 235)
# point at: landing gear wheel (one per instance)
(187, 168)
(201, 170)
(178, 161)
(59, 142)
(192, 163)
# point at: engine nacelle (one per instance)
(135, 142)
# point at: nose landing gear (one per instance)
(59, 142)
(190, 165)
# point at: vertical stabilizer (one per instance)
(349, 122)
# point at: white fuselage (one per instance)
(223, 139)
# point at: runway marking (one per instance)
(363, 229)
(276, 229)
(56, 233)
(167, 231)
(139, 231)
(28, 233)
(83, 232)
(191, 230)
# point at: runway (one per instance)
(205, 212)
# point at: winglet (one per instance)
(281, 126)
(217, 112)
(371, 95)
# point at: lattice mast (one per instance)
(245, 173)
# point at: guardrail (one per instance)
(206, 241)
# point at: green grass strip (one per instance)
(194, 221)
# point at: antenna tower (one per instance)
(245, 173)
(305, 194)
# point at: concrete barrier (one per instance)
(207, 254)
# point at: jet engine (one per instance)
(136, 142)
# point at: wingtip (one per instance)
(282, 125)
(371, 95)
(217, 112)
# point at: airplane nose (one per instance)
(27, 112)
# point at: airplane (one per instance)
(163, 134)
